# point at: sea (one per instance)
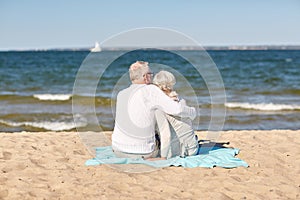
(261, 87)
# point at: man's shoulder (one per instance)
(132, 88)
(151, 87)
(143, 87)
(123, 91)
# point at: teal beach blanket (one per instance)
(213, 157)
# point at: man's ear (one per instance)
(145, 79)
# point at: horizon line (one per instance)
(204, 47)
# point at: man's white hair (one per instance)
(164, 80)
(137, 70)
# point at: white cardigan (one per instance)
(134, 130)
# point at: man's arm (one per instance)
(163, 102)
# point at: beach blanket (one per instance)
(209, 158)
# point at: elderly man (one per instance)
(134, 132)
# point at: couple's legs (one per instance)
(169, 143)
(177, 138)
(177, 135)
(120, 154)
(153, 154)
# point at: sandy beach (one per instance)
(50, 165)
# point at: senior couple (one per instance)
(145, 111)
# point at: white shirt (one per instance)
(135, 121)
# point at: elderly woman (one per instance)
(177, 136)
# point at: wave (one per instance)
(263, 106)
(47, 125)
(294, 92)
(56, 98)
(52, 97)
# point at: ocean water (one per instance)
(262, 88)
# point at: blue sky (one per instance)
(34, 24)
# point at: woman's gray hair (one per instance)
(137, 70)
(164, 80)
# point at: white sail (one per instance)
(96, 48)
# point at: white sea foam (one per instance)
(53, 97)
(52, 126)
(263, 106)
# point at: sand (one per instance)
(50, 165)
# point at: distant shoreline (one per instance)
(181, 48)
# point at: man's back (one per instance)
(134, 124)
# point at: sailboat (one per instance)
(96, 48)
